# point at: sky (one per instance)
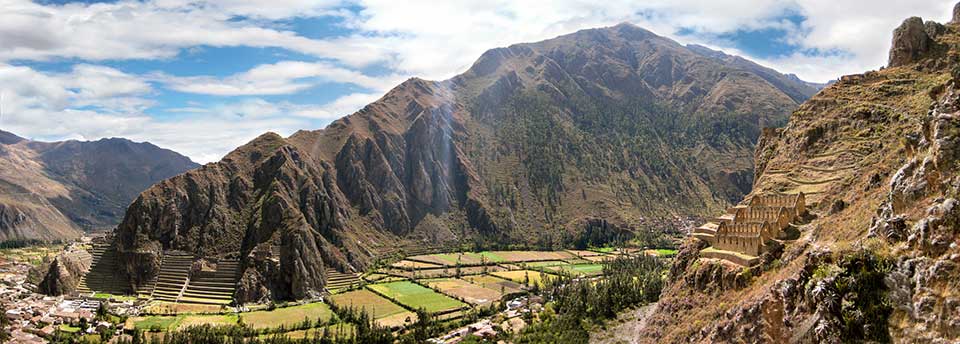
(203, 77)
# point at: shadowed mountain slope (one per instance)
(53, 190)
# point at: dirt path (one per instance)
(626, 328)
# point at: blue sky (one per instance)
(202, 77)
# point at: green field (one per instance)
(162, 323)
(529, 277)
(416, 296)
(545, 263)
(384, 311)
(173, 322)
(581, 269)
(287, 316)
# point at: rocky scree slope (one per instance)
(877, 154)
(604, 128)
(54, 190)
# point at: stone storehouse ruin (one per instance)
(743, 232)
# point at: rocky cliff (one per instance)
(531, 145)
(53, 190)
(877, 154)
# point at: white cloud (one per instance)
(92, 102)
(430, 39)
(283, 77)
(160, 29)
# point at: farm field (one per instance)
(495, 283)
(581, 269)
(287, 316)
(173, 322)
(442, 272)
(521, 276)
(384, 311)
(346, 329)
(545, 263)
(471, 293)
(416, 296)
(489, 257)
(409, 264)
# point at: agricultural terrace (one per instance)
(384, 311)
(416, 296)
(528, 277)
(471, 293)
(287, 316)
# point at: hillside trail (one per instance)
(626, 327)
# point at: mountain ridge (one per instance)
(54, 190)
(532, 145)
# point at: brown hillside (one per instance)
(876, 156)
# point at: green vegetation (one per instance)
(384, 311)
(416, 296)
(852, 293)
(579, 304)
(287, 316)
(581, 269)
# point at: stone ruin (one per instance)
(743, 232)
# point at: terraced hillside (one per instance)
(173, 276)
(103, 275)
(213, 287)
(337, 280)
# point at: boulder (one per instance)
(956, 13)
(910, 42)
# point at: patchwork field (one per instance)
(544, 263)
(409, 264)
(173, 322)
(416, 296)
(520, 276)
(471, 293)
(580, 269)
(287, 316)
(478, 258)
(384, 311)
(495, 283)
(345, 329)
(442, 272)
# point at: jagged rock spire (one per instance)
(956, 13)
(910, 42)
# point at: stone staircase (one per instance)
(173, 276)
(101, 276)
(337, 280)
(213, 287)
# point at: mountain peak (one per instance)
(9, 138)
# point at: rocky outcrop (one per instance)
(910, 42)
(62, 274)
(878, 260)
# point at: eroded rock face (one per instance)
(910, 42)
(63, 274)
(956, 13)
